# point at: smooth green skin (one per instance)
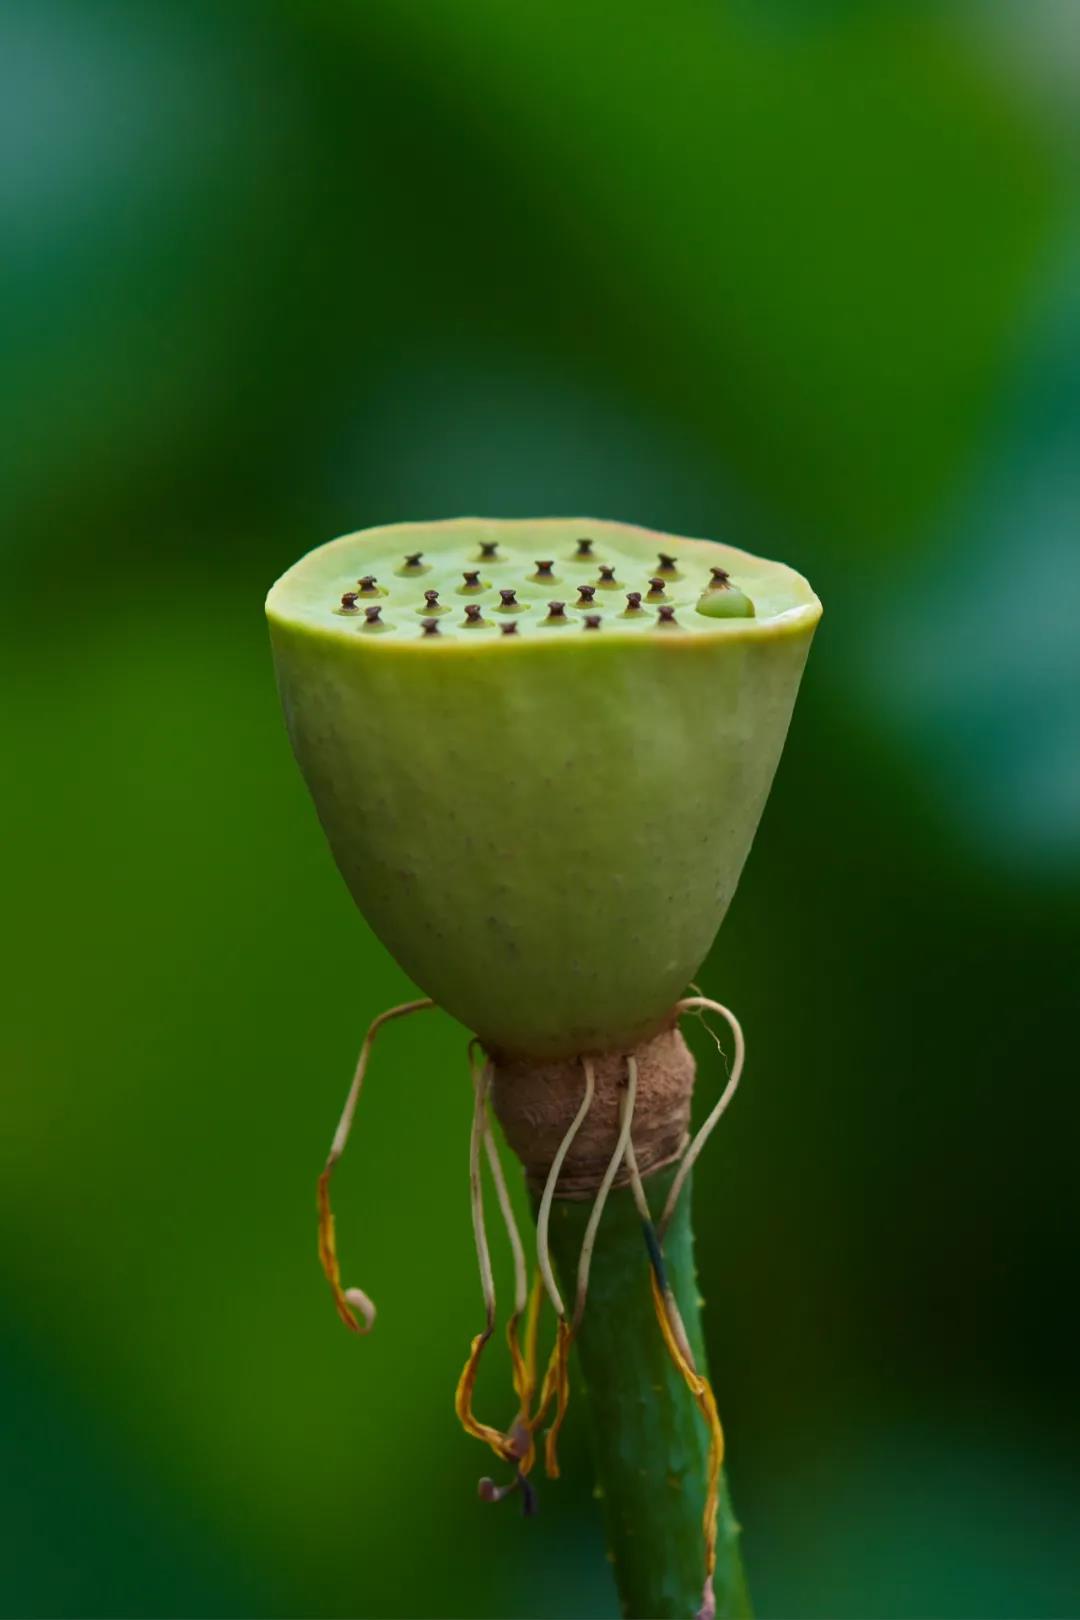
(545, 829)
(649, 1441)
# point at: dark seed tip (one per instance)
(557, 610)
(666, 563)
(592, 621)
(489, 548)
(473, 611)
(544, 567)
(348, 599)
(509, 598)
(431, 597)
(586, 593)
(510, 629)
(431, 627)
(368, 583)
(371, 614)
(666, 614)
(414, 559)
(720, 576)
(472, 576)
(607, 572)
(584, 548)
(633, 599)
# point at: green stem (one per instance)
(649, 1441)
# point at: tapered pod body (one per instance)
(544, 824)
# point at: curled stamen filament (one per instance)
(522, 1362)
(502, 1445)
(693, 1152)
(557, 1376)
(588, 1242)
(349, 1300)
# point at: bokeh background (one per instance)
(798, 276)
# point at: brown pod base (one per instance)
(536, 1104)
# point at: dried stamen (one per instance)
(666, 564)
(348, 602)
(607, 574)
(371, 614)
(474, 613)
(556, 610)
(471, 577)
(702, 1004)
(368, 585)
(499, 1442)
(633, 601)
(432, 599)
(414, 559)
(584, 548)
(626, 1121)
(489, 548)
(348, 1299)
(585, 595)
(656, 590)
(721, 579)
(666, 615)
(543, 570)
(509, 598)
(557, 1377)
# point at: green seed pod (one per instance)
(544, 829)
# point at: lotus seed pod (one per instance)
(546, 830)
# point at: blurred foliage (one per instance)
(800, 276)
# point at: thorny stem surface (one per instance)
(650, 1444)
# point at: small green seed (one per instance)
(726, 602)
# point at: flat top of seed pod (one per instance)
(499, 557)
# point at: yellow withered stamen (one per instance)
(699, 1386)
(347, 1298)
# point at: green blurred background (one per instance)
(802, 277)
